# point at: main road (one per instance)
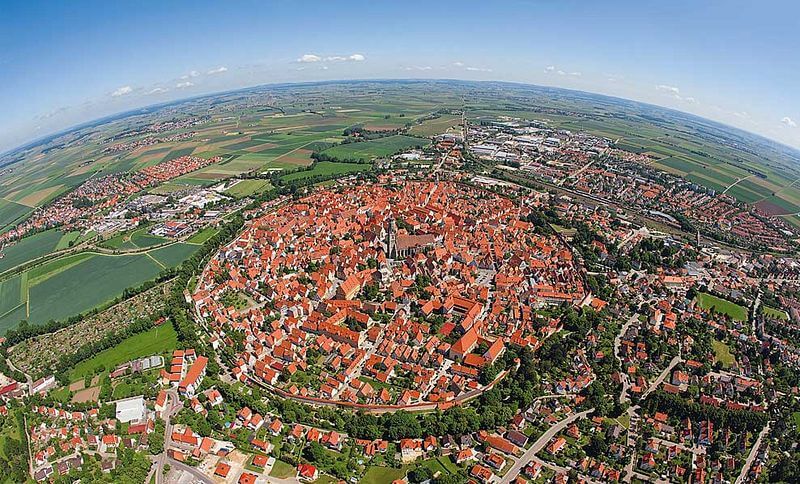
(525, 458)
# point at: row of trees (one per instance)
(736, 420)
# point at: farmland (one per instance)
(327, 168)
(368, 150)
(245, 188)
(77, 283)
(432, 127)
(29, 248)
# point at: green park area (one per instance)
(158, 340)
(774, 313)
(722, 353)
(723, 306)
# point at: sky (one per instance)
(64, 63)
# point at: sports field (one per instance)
(134, 239)
(736, 312)
(155, 341)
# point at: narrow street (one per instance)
(540, 443)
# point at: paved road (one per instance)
(752, 456)
(623, 374)
(199, 476)
(662, 376)
(540, 443)
(161, 459)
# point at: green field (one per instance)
(774, 313)
(328, 168)
(11, 294)
(173, 255)
(77, 283)
(722, 353)
(68, 238)
(135, 239)
(736, 312)
(29, 248)
(201, 236)
(158, 340)
(382, 475)
(245, 188)
(282, 470)
(368, 150)
(434, 127)
(11, 211)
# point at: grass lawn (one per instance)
(796, 417)
(154, 341)
(722, 353)
(736, 312)
(282, 470)
(382, 475)
(774, 313)
(201, 236)
(67, 238)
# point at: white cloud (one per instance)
(671, 89)
(561, 72)
(157, 90)
(479, 69)
(458, 64)
(309, 58)
(418, 68)
(331, 58)
(675, 92)
(122, 91)
(181, 85)
(787, 121)
(218, 70)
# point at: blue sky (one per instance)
(62, 63)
